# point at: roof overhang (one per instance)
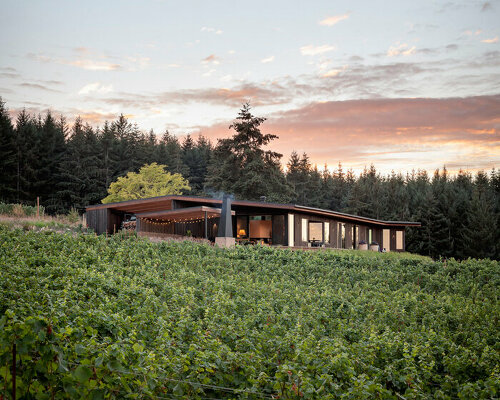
(182, 214)
(162, 206)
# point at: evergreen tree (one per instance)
(80, 183)
(480, 232)
(196, 156)
(241, 166)
(7, 155)
(27, 142)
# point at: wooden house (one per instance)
(252, 221)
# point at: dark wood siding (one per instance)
(279, 230)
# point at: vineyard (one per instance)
(106, 318)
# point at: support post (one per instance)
(206, 226)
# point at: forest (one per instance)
(70, 167)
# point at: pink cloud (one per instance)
(392, 133)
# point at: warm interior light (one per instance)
(242, 232)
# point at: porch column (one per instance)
(206, 226)
(290, 230)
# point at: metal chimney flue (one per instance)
(225, 236)
(226, 223)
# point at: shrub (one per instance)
(18, 210)
(73, 216)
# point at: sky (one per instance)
(399, 84)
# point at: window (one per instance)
(261, 227)
(386, 242)
(399, 240)
(355, 238)
(342, 235)
(304, 229)
(242, 227)
(327, 232)
(290, 230)
(370, 236)
(316, 231)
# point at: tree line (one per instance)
(73, 166)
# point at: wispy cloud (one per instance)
(267, 60)
(401, 50)
(96, 87)
(9, 75)
(87, 64)
(492, 40)
(38, 86)
(211, 59)
(486, 7)
(311, 50)
(212, 30)
(330, 73)
(94, 65)
(330, 21)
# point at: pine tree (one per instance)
(241, 166)
(27, 143)
(481, 225)
(7, 155)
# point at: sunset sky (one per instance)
(400, 84)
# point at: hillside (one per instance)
(95, 317)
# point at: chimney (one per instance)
(225, 236)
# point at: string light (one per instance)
(156, 221)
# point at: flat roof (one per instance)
(163, 204)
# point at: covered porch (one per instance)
(197, 221)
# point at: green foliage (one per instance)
(151, 181)
(73, 168)
(28, 211)
(241, 166)
(120, 317)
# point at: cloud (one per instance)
(330, 21)
(209, 73)
(94, 65)
(486, 7)
(330, 73)
(38, 86)
(270, 94)
(9, 75)
(394, 133)
(88, 64)
(211, 59)
(401, 49)
(267, 60)
(492, 40)
(212, 30)
(311, 50)
(96, 87)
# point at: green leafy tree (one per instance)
(152, 180)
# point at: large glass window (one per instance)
(242, 227)
(261, 227)
(399, 240)
(304, 230)
(316, 231)
(386, 240)
(327, 232)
